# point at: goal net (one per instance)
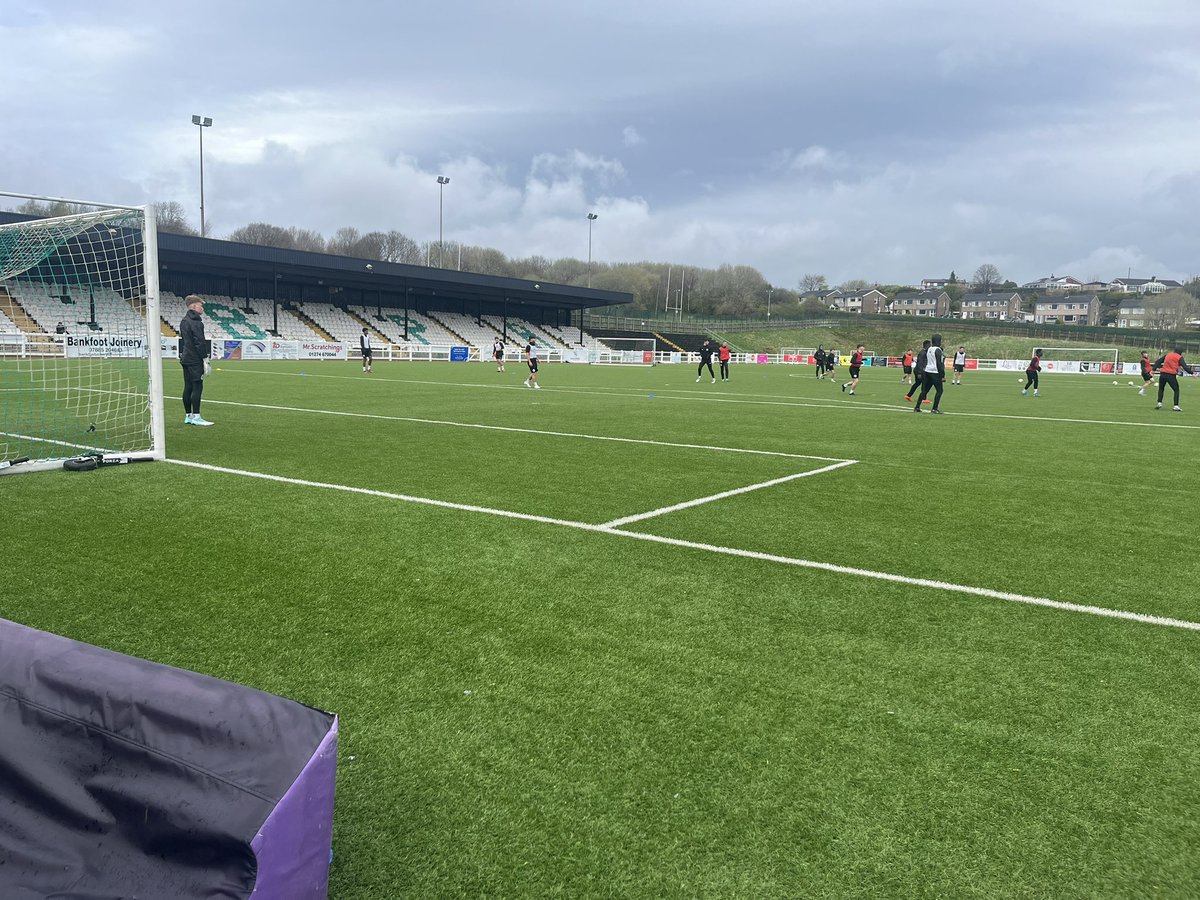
(80, 351)
(1089, 360)
(626, 352)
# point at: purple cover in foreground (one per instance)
(293, 845)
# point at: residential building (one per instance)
(828, 296)
(870, 301)
(994, 306)
(1078, 309)
(1143, 285)
(936, 284)
(1131, 314)
(920, 303)
(1055, 284)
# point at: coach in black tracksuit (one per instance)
(193, 351)
(706, 352)
(933, 374)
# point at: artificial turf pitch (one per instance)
(537, 707)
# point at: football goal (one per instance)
(626, 351)
(1089, 360)
(80, 338)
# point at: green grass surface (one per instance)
(892, 339)
(533, 709)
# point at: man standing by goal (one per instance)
(193, 357)
(531, 359)
(364, 344)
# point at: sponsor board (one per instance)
(170, 347)
(256, 349)
(285, 349)
(232, 350)
(460, 354)
(104, 345)
(323, 350)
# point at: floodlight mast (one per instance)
(202, 122)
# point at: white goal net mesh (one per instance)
(77, 321)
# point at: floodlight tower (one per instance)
(202, 122)
(442, 182)
(592, 217)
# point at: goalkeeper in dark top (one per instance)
(193, 357)
(706, 352)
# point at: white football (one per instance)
(1117, 382)
(1131, 384)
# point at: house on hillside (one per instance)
(1131, 314)
(1054, 284)
(920, 303)
(994, 306)
(870, 301)
(1143, 285)
(825, 296)
(1079, 309)
(936, 284)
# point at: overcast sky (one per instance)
(882, 139)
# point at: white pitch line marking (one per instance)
(1046, 602)
(662, 511)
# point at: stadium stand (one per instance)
(421, 328)
(227, 319)
(49, 304)
(7, 324)
(569, 335)
(333, 320)
(479, 336)
(519, 331)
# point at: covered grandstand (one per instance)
(256, 292)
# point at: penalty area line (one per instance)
(687, 504)
(1063, 606)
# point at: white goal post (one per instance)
(1088, 360)
(80, 338)
(625, 351)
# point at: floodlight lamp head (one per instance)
(442, 179)
(593, 217)
(202, 121)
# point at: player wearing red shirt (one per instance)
(908, 364)
(1168, 373)
(856, 361)
(723, 355)
(1031, 373)
(1147, 373)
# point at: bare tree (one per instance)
(170, 217)
(307, 239)
(400, 248)
(986, 279)
(1168, 314)
(263, 234)
(812, 282)
(855, 284)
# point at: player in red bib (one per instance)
(1168, 367)
(723, 355)
(908, 364)
(1031, 373)
(1147, 373)
(856, 361)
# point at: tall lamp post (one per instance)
(442, 182)
(770, 291)
(592, 217)
(203, 122)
